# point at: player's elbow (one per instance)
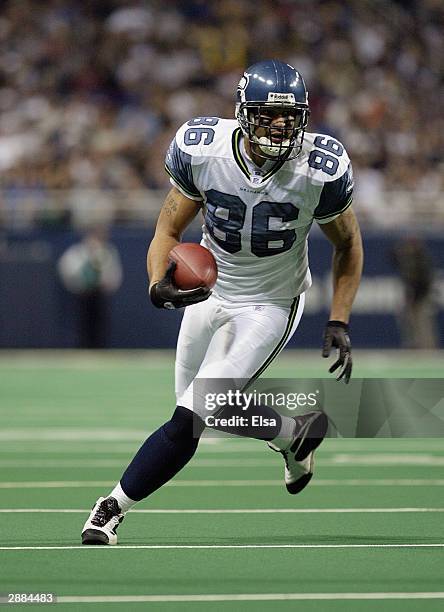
(351, 242)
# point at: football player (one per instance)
(259, 181)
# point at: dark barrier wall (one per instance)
(35, 310)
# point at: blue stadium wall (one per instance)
(35, 310)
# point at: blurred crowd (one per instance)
(91, 93)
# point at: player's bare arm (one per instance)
(345, 236)
(176, 214)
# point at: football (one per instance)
(195, 266)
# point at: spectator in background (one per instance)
(90, 92)
(91, 270)
(417, 318)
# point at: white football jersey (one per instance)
(256, 220)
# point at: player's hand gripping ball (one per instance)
(191, 273)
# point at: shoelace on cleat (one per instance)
(107, 510)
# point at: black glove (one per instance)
(336, 336)
(165, 294)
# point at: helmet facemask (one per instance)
(275, 130)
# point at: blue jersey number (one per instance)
(325, 159)
(261, 235)
(194, 135)
(225, 217)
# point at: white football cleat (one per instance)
(100, 528)
(311, 429)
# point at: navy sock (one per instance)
(171, 447)
(163, 454)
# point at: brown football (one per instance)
(195, 266)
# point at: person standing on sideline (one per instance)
(91, 269)
(417, 318)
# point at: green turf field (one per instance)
(367, 534)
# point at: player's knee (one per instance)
(184, 424)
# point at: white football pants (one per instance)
(222, 340)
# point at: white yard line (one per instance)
(77, 445)
(25, 434)
(228, 510)
(386, 459)
(210, 444)
(346, 482)
(221, 546)
(247, 597)
(61, 463)
(334, 461)
(65, 448)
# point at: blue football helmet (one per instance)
(271, 89)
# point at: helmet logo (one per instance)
(243, 84)
(281, 97)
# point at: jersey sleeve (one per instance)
(178, 165)
(336, 196)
